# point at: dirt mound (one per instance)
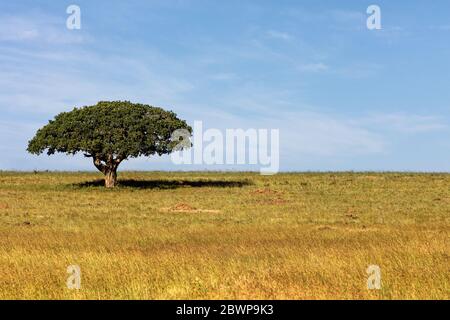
(184, 207)
(264, 191)
(270, 197)
(4, 206)
(276, 201)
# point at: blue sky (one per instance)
(344, 97)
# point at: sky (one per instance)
(342, 96)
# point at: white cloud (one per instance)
(38, 29)
(48, 86)
(444, 27)
(279, 35)
(358, 70)
(313, 67)
(17, 29)
(224, 76)
(344, 16)
(318, 134)
(406, 123)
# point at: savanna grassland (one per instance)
(225, 235)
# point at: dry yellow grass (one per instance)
(225, 235)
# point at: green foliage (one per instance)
(110, 130)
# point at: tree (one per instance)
(111, 132)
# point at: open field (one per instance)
(225, 235)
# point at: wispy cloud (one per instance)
(319, 134)
(223, 76)
(267, 76)
(279, 35)
(406, 123)
(36, 28)
(59, 79)
(443, 27)
(358, 70)
(345, 16)
(313, 67)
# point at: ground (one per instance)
(225, 235)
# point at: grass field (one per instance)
(225, 235)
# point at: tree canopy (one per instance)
(110, 132)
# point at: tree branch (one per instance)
(119, 159)
(99, 165)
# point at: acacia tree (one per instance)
(111, 132)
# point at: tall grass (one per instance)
(225, 235)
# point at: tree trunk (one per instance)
(108, 166)
(111, 178)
